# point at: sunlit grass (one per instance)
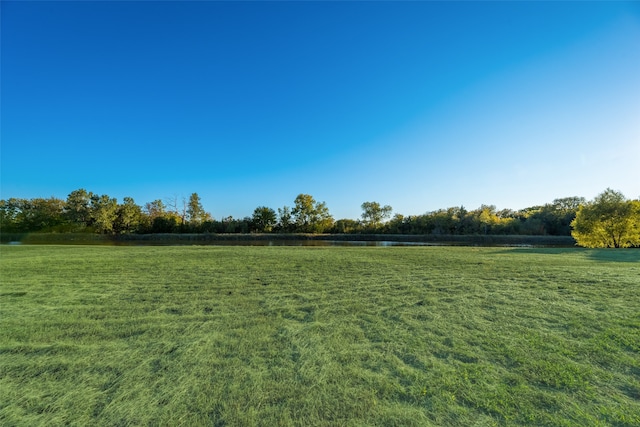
(269, 336)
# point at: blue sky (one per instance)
(419, 105)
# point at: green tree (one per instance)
(32, 214)
(568, 204)
(609, 221)
(44, 214)
(129, 217)
(635, 228)
(311, 216)
(347, 226)
(9, 210)
(155, 209)
(552, 218)
(104, 212)
(233, 225)
(78, 207)
(374, 215)
(263, 219)
(285, 220)
(442, 221)
(399, 224)
(167, 223)
(196, 214)
(563, 211)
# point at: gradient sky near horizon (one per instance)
(419, 105)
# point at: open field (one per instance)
(335, 336)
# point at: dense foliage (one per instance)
(609, 221)
(89, 212)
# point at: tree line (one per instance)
(608, 220)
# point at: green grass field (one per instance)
(334, 336)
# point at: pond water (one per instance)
(264, 240)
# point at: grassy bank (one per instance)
(269, 336)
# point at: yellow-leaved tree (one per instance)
(608, 221)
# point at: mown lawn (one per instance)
(335, 336)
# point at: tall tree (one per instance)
(373, 214)
(9, 210)
(104, 211)
(43, 214)
(78, 207)
(263, 219)
(195, 212)
(285, 220)
(154, 209)
(609, 221)
(128, 216)
(311, 216)
(487, 217)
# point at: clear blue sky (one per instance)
(419, 105)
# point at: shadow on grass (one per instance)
(603, 255)
(615, 255)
